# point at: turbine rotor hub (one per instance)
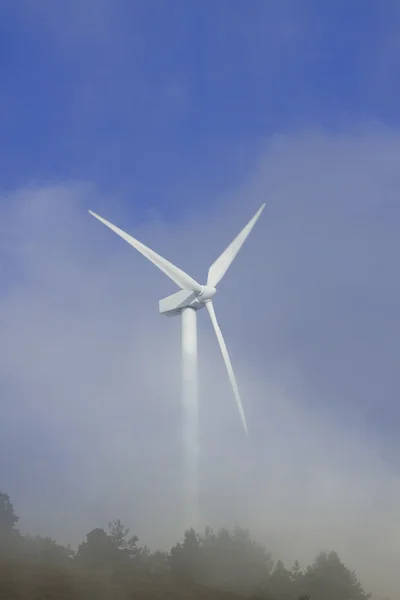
(207, 293)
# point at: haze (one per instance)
(92, 428)
(90, 372)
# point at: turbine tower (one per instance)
(192, 297)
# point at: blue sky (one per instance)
(118, 91)
(176, 120)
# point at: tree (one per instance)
(111, 549)
(250, 563)
(296, 572)
(99, 551)
(44, 549)
(227, 559)
(119, 537)
(8, 518)
(151, 562)
(328, 579)
(280, 584)
(186, 558)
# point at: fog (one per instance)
(90, 372)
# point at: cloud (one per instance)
(90, 372)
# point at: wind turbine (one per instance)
(192, 297)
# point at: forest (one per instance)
(111, 564)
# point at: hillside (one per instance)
(112, 565)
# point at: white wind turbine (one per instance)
(192, 297)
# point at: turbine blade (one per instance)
(181, 279)
(228, 363)
(223, 262)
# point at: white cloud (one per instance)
(90, 371)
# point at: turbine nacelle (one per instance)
(171, 306)
(208, 292)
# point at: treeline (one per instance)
(110, 564)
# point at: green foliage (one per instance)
(186, 560)
(8, 518)
(328, 579)
(119, 537)
(99, 551)
(229, 560)
(296, 572)
(155, 563)
(280, 584)
(224, 565)
(43, 549)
